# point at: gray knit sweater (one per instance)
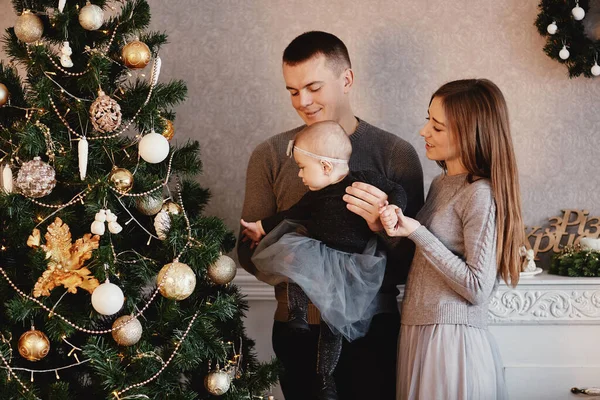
(453, 275)
(272, 185)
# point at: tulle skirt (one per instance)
(341, 285)
(449, 362)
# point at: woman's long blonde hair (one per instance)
(477, 119)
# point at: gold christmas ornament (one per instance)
(121, 179)
(169, 130)
(171, 207)
(136, 55)
(105, 113)
(217, 382)
(222, 271)
(34, 345)
(91, 17)
(128, 335)
(36, 178)
(4, 95)
(149, 205)
(29, 27)
(66, 259)
(179, 283)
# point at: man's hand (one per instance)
(396, 223)
(366, 200)
(253, 231)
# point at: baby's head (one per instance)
(322, 151)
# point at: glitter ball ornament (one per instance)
(179, 283)
(4, 94)
(222, 271)
(121, 179)
(129, 334)
(36, 178)
(107, 299)
(217, 382)
(149, 205)
(105, 113)
(153, 148)
(169, 130)
(91, 17)
(136, 55)
(34, 345)
(29, 27)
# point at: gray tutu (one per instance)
(341, 285)
(449, 362)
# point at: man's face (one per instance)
(317, 93)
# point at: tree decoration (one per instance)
(121, 179)
(29, 27)
(565, 27)
(153, 148)
(98, 227)
(222, 271)
(36, 179)
(65, 259)
(149, 205)
(61, 5)
(65, 55)
(7, 179)
(162, 221)
(82, 153)
(105, 113)
(217, 382)
(108, 298)
(91, 17)
(129, 334)
(34, 345)
(4, 94)
(136, 55)
(179, 283)
(169, 130)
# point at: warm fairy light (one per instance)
(39, 218)
(3, 248)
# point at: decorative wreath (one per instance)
(573, 34)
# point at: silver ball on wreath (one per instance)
(217, 382)
(564, 53)
(180, 282)
(105, 113)
(91, 17)
(552, 28)
(29, 27)
(595, 69)
(578, 12)
(121, 179)
(36, 178)
(222, 271)
(149, 205)
(129, 334)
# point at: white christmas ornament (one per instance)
(65, 55)
(98, 224)
(82, 149)
(61, 5)
(107, 299)
(7, 179)
(91, 17)
(564, 53)
(154, 148)
(578, 12)
(596, 69)
(113, 226)
(552, 28)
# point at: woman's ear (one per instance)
(327, 167)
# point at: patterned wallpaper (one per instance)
(229, 53)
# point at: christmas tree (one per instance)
(113, 284)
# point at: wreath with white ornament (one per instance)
(572, 30)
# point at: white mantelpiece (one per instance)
(548, 331)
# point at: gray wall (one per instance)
(229, 53)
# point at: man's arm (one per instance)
(259, 199)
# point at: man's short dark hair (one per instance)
(314, 43)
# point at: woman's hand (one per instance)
(253, 231)
(365, 200)
(395, 222)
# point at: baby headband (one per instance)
(291, 148)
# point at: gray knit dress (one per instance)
(446, 350)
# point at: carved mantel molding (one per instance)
(542, 299)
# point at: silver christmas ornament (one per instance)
(179, 283)
(36, 178)
(91, 17)
(217, 382)
(129, 334)
(149, 205)
(222, 271)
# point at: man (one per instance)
(318, 75)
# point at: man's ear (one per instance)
(348, 79)
(326, 166)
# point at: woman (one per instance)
(467, 234)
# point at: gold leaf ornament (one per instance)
(66, 259)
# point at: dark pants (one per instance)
(366, 369)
